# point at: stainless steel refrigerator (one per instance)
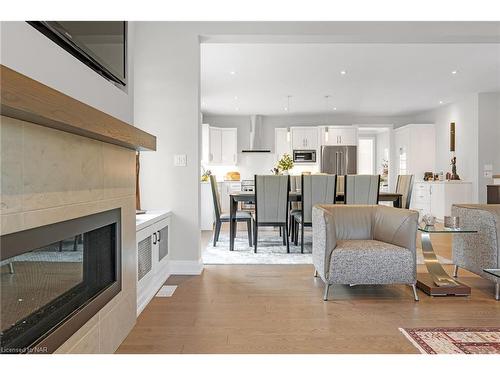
(339, 159)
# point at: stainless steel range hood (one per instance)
(255, 135)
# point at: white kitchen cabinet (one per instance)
(415, 150)
(225, 189)
(153, 248)
(282, 142)
(304, 138)
(339, 135)
(229, 149)
(219, 145)
(437, 197)
(207, 216)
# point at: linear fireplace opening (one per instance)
(54, 278)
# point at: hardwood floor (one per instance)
(279, 309)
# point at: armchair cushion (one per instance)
(370, 262)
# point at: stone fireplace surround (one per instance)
(48, 176)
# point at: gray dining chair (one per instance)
(316, 189)
(404, 186)
(339, 197)
(295, 186)
(271, 205)
(241, 216)
(361, 189)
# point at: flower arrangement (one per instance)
(285, 163)
(206, 174)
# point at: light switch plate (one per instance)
(488, 174)
(488, 167)
(180, 160)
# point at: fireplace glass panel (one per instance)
(41, 288)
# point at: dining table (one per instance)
(293, 196)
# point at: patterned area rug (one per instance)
(270, 250)
(454, 340)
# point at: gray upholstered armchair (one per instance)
(476, 252)
(364, 245)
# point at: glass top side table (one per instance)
(495, 272)
(437, 282)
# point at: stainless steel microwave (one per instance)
(304, 156)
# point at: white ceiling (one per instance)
(380, 79)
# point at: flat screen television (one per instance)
(102, 45)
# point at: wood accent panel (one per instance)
(29, 100)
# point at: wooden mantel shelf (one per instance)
(29, 100)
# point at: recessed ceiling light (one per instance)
(440, 102)
(235, 98)
(232, 72)
(454, 71)
(286, 108)
(343, 72)
(334, 108)
(237, 108)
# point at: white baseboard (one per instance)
(186, 267)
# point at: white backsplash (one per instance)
(250, 164)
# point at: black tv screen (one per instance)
(102, 45)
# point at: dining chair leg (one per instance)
(302, 238)
(296, 233)
(249, 229)
(216, 232)
(285, 228)
(255, 230)
(284, 239)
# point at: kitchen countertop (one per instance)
(445, 182)
(150, 217)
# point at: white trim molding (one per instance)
(186, 267)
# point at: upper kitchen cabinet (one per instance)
(282, 144)
(415, 149)
(339, 135)
(304, 138)
(219, 145)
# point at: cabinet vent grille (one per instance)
(163, 248)
(144, 258)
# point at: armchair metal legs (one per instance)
(11, 270)
(315, 273)
(455, 271)
(415, 295)
(325, 295)
(497, 291)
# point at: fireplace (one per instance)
(54, 278)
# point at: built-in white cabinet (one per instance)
(153, 248)
(207, 206)
(415, 150)
(219, 145)
(225, 189)
(437, 197)
(304, 138)
(282, 142)
(338, 135)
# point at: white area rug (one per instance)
(270, 250)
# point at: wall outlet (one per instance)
(180, 160)
(488, 174)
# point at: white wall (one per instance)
(464, 112)
(26, 50)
